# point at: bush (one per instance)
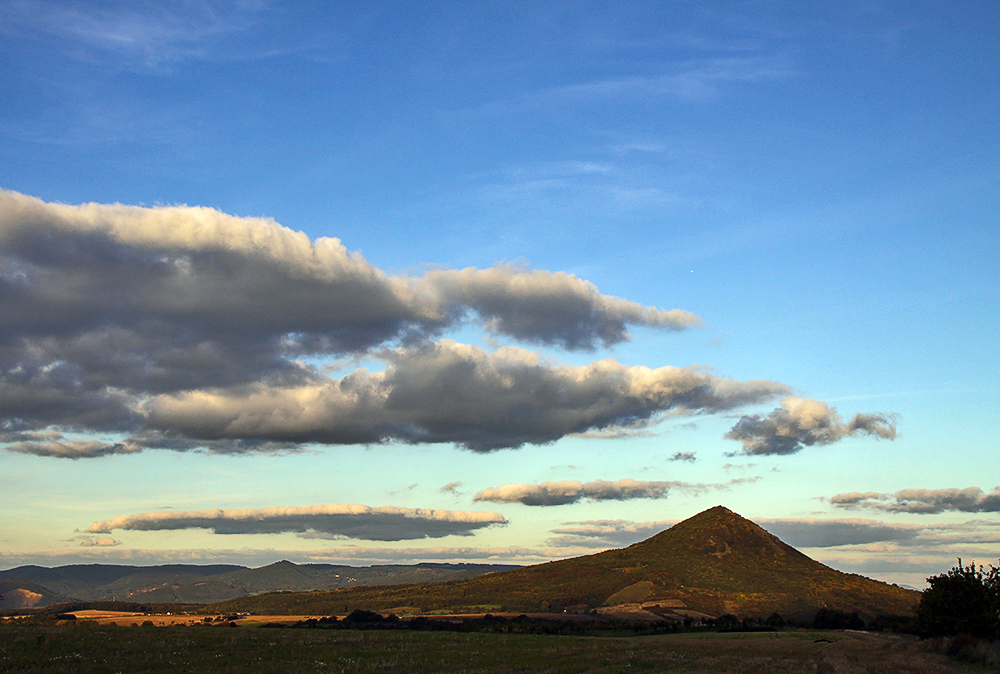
(832, 619)
(966, 600)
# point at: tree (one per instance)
(966, 600)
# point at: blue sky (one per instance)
(543, 208)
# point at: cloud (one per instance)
(562, 493)
(573, 491)
(688, 457)
(167, 31)
(52, 443)
(546, 307)
(819, 533)
(451, 488)
(451, 392)
(350, 554)
(103, 307)
(322, 521)
(95, 542)
(902, 553)
(803, 422)
(606, 533)
(923, 501)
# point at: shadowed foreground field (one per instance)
(110, 649)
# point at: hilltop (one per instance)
(713, 563)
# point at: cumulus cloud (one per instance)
(923, 501)
(450, 392)
(545, 307)
(801, 422)
(103, 307)
(605, 533)
(688, 457)
(573, 491)
(322, 521)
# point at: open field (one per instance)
(106, 649)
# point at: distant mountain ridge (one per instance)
(203, 584)
(714, 563)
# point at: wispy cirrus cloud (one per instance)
(923, 501)
(335, 521)
(801, 422)
(147, 33)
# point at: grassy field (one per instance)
(98, 649)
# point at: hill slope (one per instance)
(22, 593)
(713, 563)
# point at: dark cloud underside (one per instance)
(333, 521)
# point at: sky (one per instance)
(501, 282)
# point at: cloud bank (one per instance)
(801, 422)
(825, 533)
(923, 501)
(322, 521)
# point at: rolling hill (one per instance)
(18, 593)
(197, 584)
(714, 563)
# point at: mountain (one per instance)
(711, 564)
(99, 582)
(189, 583)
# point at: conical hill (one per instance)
(713, 563)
